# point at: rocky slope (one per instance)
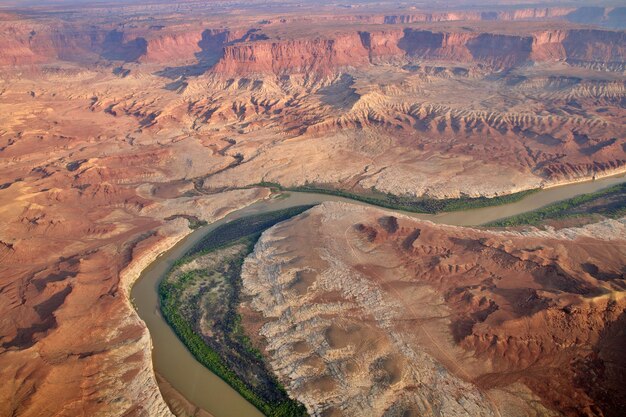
(81, 217)
(363, 312)
(245, 47)
(357, 49)
(118, 130)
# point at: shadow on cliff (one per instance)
(418, 43)
(498, 51)
(211, 50)
(614, 18)
(115, 49)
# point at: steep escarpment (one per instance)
(206, 46)
(121, 128)
(488, 15)
(598, 48)
(499, 323)
(27, 42)
(496, 50)
(593, 47)
(255, 49)
(316, 56)
(606, 16)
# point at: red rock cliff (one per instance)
(321, 56)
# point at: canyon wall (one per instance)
(27, 43)
(249, 50)
(496, 50)
(102, 164)
(315, 56)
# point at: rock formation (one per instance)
(121, 124)
(364, 312)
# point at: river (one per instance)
(203, 388)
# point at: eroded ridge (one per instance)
(367, 313)
(123, 127)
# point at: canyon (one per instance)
(125, 126)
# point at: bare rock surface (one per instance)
(123, 124)
(368, 313)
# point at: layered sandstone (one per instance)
(118, 129)
(248, 49)
(358, 49)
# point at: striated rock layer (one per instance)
(357, 49)
(123, 125)
(244, 51)
(366, 313)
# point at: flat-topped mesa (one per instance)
(497, 50)
(581, 47)
(609, 16)
(323, 56)
(342, 40)
(475, 16)
(206, 45)
(596, 47)
(28, 43)
(319, 56)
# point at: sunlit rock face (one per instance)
(122, 123)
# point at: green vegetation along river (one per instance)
(608, 202)
(200, 297)
(204, 388)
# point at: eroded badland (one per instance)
(122, 124)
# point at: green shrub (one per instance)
(406, 203)
(566, 208)
(245, 230)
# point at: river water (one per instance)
(206, 390)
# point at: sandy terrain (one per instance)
(118, 129)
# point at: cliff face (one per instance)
(206, 46)
(249, 50)
(595, 46)
(174, 47)
(492, 49)
(316, 56)
(382, 45)
(498, 51)
(506, 15)
(607, 16)
(26, 43)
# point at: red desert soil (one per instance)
(120, 124)
(405, 317)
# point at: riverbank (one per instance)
(428, 205)
(206, 390)
(598, 176)
(609, 202)
(405, 203)
(199, 298)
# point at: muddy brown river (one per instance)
(206, 390)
